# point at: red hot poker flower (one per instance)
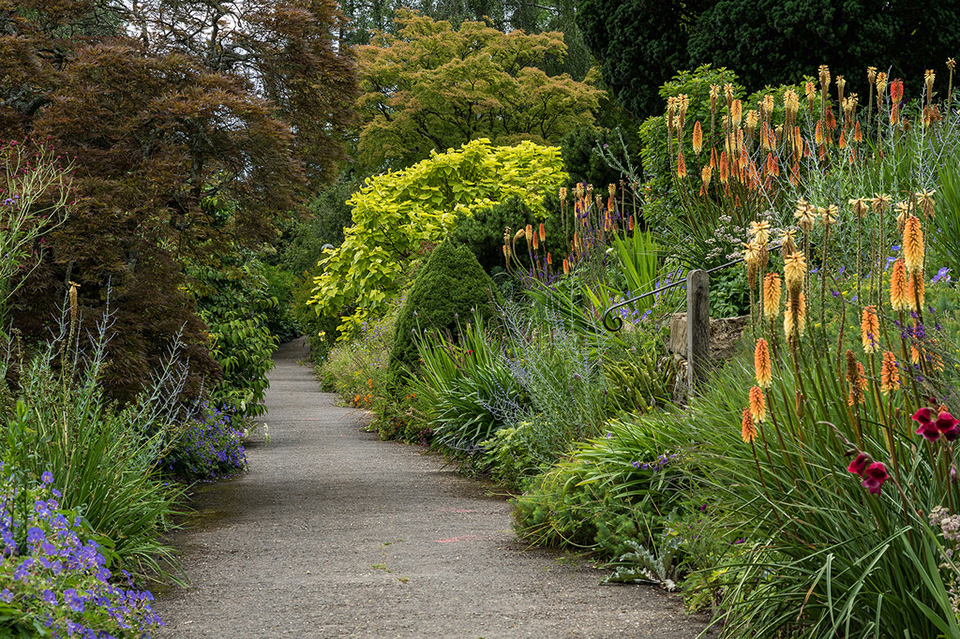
(874, 476)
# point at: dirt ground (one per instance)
(333, 533)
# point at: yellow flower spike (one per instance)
(771, 296)
(697, 138)
(859, 206)
(880, 203)
(913, 244)
(824, 77)
(870, 329)
(889, 373)
(881, 84)
(926, 203)
(758, 405)
(871, 75)
(748, 432)
(736, 112)
(829, 214)
(760, 232)
(929, 78)
(705, 174)
(563, 194)
(795, 270)
(898, 287)
(805, 215)
(761, 364)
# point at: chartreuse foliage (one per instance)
(395, 214)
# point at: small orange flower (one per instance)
(761, 364)
(748, 432)
(889, 373)
(870, 329)
(898, 287)
(758, 405)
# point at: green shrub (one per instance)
(450, 286)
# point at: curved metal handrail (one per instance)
(618, 321)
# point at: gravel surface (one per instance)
(333, 533)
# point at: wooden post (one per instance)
(698, 328)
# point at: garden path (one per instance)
(333, 533)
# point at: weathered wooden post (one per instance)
(698, 328)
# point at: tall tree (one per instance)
(432, 87)
(643, 43)
(198, 106)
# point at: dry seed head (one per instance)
(889, 374)
(519, 234)
(748, 432)
(563, 194)
(74, 306)
(758, 405)
(915, 291)
(714, 94)
(841, 84)
(761, 364)
(611, 190)
(578, 190)
(913, 244)
(771, 296)
(870, 329)
(898, 287)
(951, 64)
(929, 78)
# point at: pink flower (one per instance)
(923, 415)
(859, 464)
(874, 476)
(928, 430)
(946, 422)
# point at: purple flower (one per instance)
(6, 595)
(73, 600)
(46, 477)
(49, 596)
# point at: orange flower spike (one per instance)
(543, 233)
(736, 112)
(898, 287)
(549, 259)
(697, 138)
(870, 329)
(771, 296)
(681, 167)
(857, 133)
(566, 266)
(889, 373)
(896, 90)
(761, 364)
(913, 244)
(630, 223)
(724, 167)
(705, 174)
(758, 405)
(748, 432)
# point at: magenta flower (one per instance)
(928, 430)
(859, 464)
(946, 422)
(874, 476)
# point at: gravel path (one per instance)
(333, 533)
